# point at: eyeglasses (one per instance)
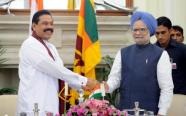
(140, 30)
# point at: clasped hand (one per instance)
(92, 84)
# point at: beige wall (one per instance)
(9, 78)
(174, 9)
(113, 34)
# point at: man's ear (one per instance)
(33, 26)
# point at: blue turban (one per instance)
(147, 19)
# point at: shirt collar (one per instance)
(172, 43)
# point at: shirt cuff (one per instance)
(83, 80)
(162, 111)
(110, 90)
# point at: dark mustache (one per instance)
(49, 29)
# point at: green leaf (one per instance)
(7, 91)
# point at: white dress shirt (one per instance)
(39, 75)
(164, 76)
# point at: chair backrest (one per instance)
(178, 106)
(8, 105)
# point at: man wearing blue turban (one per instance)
(142, 71)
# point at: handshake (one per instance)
(93, 84)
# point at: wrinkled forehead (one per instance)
(175, 31)
(45, 18)
(162, 28)
(139, 24)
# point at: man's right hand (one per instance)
(91, 84)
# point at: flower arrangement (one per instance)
(94, 107)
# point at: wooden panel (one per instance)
(67, 13)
